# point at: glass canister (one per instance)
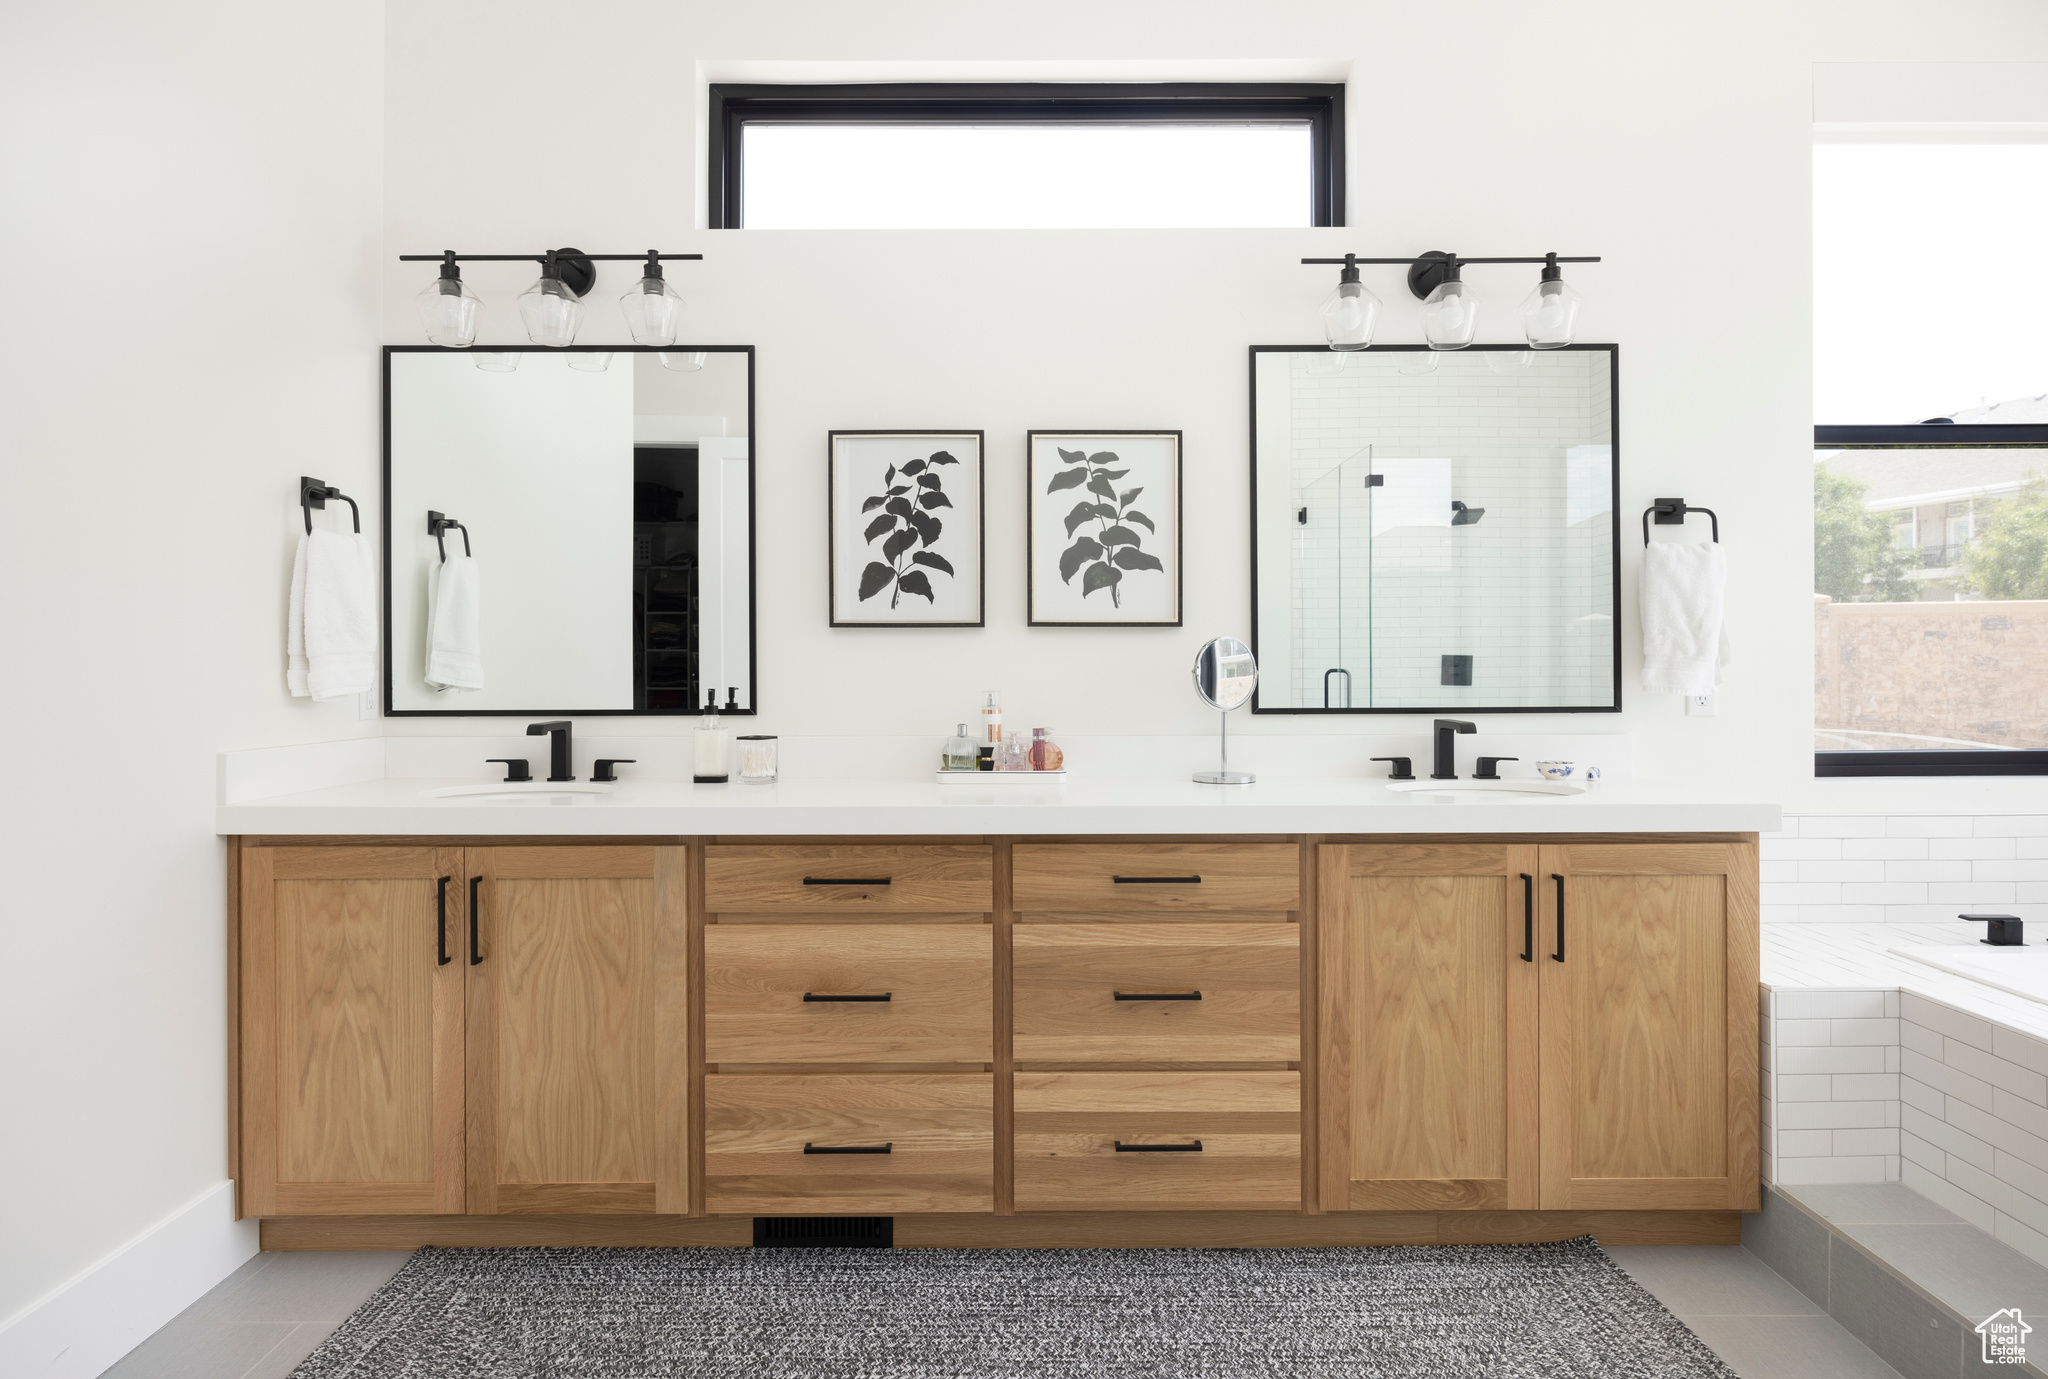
(760, 758)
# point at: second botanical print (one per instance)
(906, 520)
(1104, 511)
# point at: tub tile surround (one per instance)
(1881, 1069)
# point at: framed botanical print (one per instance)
(904, 541)
(1103, 512)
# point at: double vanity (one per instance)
(1116, 1011)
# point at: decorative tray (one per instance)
(1005, 777)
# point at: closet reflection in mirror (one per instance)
(1435, 530)
(607, 497)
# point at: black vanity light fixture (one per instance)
(1450, 313)
(553, 307)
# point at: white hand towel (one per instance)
(1684, 606)
(338, 622)
(295, 626)
(455, 650)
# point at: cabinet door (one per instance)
(1649, 969)
(1428, 1014)
(351, 1031)
(578, 1052)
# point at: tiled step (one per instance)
(1906, 1277)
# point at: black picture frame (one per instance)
(753, 573)
(1031, 439)
(733, 106)
(1614, 543)
(832, 439)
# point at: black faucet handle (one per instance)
(1404, 768)
(1486, 765)
(2001, 931)
(602, 770)
(516, 768)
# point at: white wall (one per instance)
(191, 239)
(1677, 148)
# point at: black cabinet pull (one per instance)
(1157, 880)
(849, 1148)
(475, 954)
(441, 923)
(846, 880)
(1123, 1148)
(1559, 954)
(820, 996)
(1157, 995)
(1528, 918)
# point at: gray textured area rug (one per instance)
(1514, 1311)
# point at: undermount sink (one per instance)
(534, 791)
(1487, 791)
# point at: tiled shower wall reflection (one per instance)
(1385, 586)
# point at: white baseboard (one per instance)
(92, 1319)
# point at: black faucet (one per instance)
(1446, 754)
(558, 746)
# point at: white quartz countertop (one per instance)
(1081, 805)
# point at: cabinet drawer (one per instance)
(938, 1130)
(1145, 993)
(1156, 878)
(1248, 1127)
(939, 980)
(849, 880)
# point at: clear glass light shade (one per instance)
(1549, 315)
(497, 361)
(1349, 314)
(448, 310)
(654, 312)
(1450, 316)
(551, 312)
(683, 361)
(591, 361)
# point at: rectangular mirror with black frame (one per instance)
(604, 501)
(1434, 531)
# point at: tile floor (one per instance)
(270, 1314)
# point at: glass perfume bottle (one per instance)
(1045, 754)
(713, 746)
(992, 717)
(1013, 755)
(958, 754)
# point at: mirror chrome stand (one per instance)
(1225, 676)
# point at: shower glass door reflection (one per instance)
(1333, 558)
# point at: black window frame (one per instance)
(1960, 762)
(734, 106)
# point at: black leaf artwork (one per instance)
(907, 524)
(1114, 547)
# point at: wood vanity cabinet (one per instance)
(1558, 1027)
(403, 1053)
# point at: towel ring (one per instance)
(1671, 512)
(437, 526)
(314, 494)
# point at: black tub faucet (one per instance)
(1446, 753)
(557, 731)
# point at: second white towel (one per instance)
(455, 649)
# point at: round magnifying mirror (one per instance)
(1226, 674)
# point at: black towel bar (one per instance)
(314, 494)
(1672, 512)
(438, 524)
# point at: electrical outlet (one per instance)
(1699, 706)
(366, 704)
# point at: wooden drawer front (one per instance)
(939, 978)
(939, 1129)
(1068, 977)
(1156, 878)
(849, 880)
(1068, 1126)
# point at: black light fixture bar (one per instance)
(1462, 259)
(619, 258)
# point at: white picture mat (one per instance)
(1147, 596)
(859, 464)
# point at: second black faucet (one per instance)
(557, 731)
(1447, 730)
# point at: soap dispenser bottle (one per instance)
(959, 753)
(713, 746)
